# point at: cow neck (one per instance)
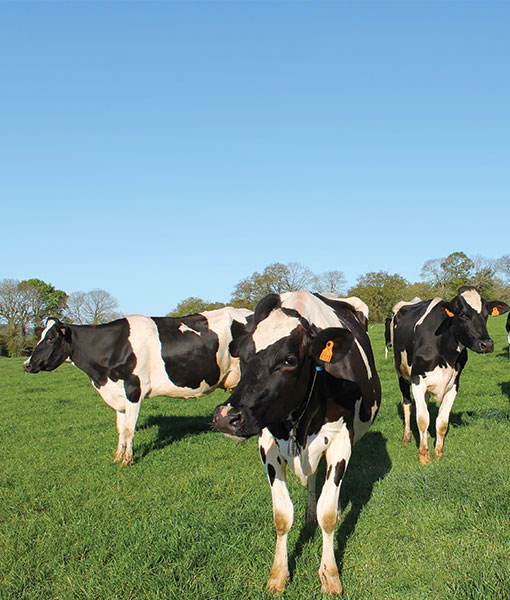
(297, 429)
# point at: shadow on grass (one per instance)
(170, 430)
(370, 462)
(505, 388)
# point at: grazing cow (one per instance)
(308, 387)
(135, 357)
(430, 341)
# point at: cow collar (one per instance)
(294, 446)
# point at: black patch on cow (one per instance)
(263, 455)
(132, 388)
(339, 471)
(271, 473)
(189, 357)
(279, 460)
(329, 471)
(326, 441)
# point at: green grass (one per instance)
(192, 517)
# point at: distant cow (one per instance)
(135, 357)
(507, 327)
(309, 387)
(388, 324)
(429, 342)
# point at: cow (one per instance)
(308, 388)
(430, 341)
(136, 357)
(507, 327)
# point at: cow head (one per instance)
(52, 349)
(469, 313)
(277, 363)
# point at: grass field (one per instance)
(192, 517)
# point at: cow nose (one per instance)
(226, 419)
(27, 366)
(486, 346)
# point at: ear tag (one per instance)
(449, 312)
(327, 352)
(495, 312)
(62, 331)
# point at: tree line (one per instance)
(25, 304)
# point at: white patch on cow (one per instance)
(402, 303)
(439, 381)
(275, 327)
(49, 325)
(431, 305)
(183, 327)
(405, 369)
(361, 427)
(365, 359)
(472, 297)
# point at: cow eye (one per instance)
(464, 317)
(290, 361)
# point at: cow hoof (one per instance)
(438, 454)
(424, 457)
(127, 461)
(406, 438)
(330, 581)
(277, 582)
(117, 458)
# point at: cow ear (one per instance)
(265, 306)
(64, 331)
(449, 309)
(331, 345)
(497, 307)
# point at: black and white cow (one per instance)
(507, 327)
(135, 357)
(430, 341)
(308, 388)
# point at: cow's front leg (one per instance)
(121, 444)
(337, 458)
(422, 420)
(442, 421)
(406, 408)
(283, 511)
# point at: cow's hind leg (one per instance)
(283, 512)
(337, 458)
(422, 420)
(311, 505)
(405, 388)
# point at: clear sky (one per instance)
(160, 150)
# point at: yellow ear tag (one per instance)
(327, 352)
(449, 312)
(495, 312)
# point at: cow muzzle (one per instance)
(227, 420)
(27, 366)
(484, 346)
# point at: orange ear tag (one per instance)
(62, 331)
(449, 312)
(495, 312)
(327, 352)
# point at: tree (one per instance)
(333, 282)
(15, 313)
(91, 308)
(250, 290)
(44, 299)
(458, 271)
(503, 267)
(192, 305)
(380, 291)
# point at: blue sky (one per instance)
(160, 150)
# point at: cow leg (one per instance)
(283, 511)
(121, 444)
(422, 420)
(443, 419)
(406, 408)
(311, 505)
(337, 458)
(130, 420)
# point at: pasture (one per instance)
(192, 517)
